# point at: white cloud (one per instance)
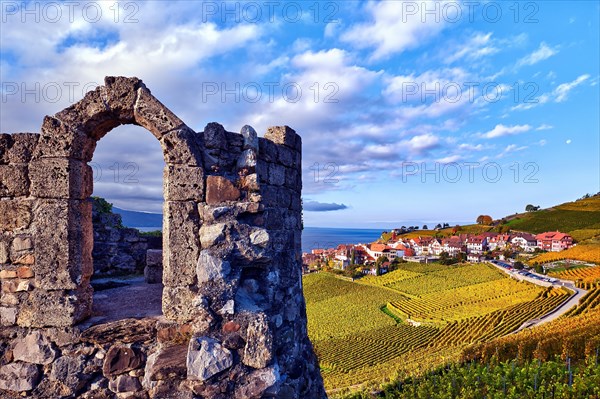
(392, 29)
(422, 142)
(558, 95)
(478, 46)
(568, 141)
(562, 91)
(544, 127)
(501, 130)
(470, 147)
(542, 53)
(510, 149)
(449, 159)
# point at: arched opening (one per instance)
(127, 202)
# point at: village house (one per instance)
(475, 258)
(554, 241)
(498, 242)
(476, 244)
(453, 246)
(525, 241)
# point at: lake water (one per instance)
(325, 237)
(330, 237)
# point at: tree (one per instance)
(456, 229)
(531, 208)
(438, 226)
(425, 227)
(353, 257)
(446, 225)
(518, 265)
(484, 219)
(539, 269)
(378, 263)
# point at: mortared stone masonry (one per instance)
(234, 317)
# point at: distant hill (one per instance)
(579, 218)
(139, 219)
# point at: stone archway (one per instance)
(232, 265)
(61, 181)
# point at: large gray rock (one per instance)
(256, 383)
(210, 267)
(124, 383)
(69, 371)
(207, 357)
(259, 343)
(250, 137)
(19, 377)
(34, 348)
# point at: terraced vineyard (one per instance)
(446, 279)
(473, 299)
(585, 275)
(590, 301)
(357, 342)
(587, 252)
(500, 322)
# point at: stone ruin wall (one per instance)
(234, 318)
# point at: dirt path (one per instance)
(135, 298)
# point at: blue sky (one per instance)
(409, 111)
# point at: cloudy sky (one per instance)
(408, 111)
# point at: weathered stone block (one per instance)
(124, 383)
(284, 135)
(259, 343)
(181, 243)
(70, 372)
(267, 150)
(121, 359)
(250, 137)
(22, 148)
(153, 115)
(34, 348)
(14, 181)
(183, 183)
(19, 377)
(212, 234)
(121, 94)
(220, 189)
(55, 308)
(60, 178)
(4, 252)
(153, 274)
(207, 357)
(5, 143)
(64, 241)
(178, 303)
(250, 183)
(215, 136)
(247, 160)
(24, 272)
(256, 383)
(211, 268)
(91, 115)
(168, 362)
(276, 174)
(287, 157)
(21, 243)
(180, 147)
(59, 140)
(7, 274)
(8, 316)
(293, 179)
